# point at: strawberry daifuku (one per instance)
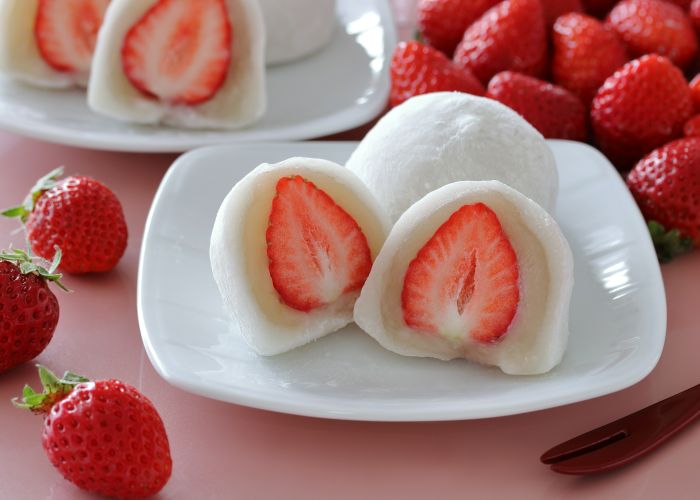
(474, 270)
(186, 63)
(291, 248)
(435, 139)
(49, 43)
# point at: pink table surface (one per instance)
(227, 451)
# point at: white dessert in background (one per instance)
(49, 43)
(297, 28)
(435, 139)
(186, 63)
(291, 247)
(473, 270)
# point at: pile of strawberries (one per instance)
(612, 73)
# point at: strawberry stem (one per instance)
(54, 390)
(27, 264)
(668, 244)
(44, 184)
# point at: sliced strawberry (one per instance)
(180, 50)
(464, 283)
(316, 250)
(65, 32)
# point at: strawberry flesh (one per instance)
(464, 283)
(180, 51)
(316, 250)
(66, 30)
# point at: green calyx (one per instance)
(27, 264)
(55, 390)
(44, 184)
(668, 244)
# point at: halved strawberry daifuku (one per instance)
(66, 30)
(180, 50)
(464, 281)
(316, 249)
(291, 247)
(476, 271)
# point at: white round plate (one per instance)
(344, 85)
(618, 312)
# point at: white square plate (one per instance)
(618, 313)
(344, 85)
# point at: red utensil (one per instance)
(624, 440)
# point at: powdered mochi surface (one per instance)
(435, 139)
(537, 337)
(238, 103)
(296, 28)
(239, 254)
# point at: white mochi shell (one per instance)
(239, 102)
(435, 139)
(537, 337)
(296, 28)
(239, 257)
(19, 53)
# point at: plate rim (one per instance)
(351, 117)
(313, 406)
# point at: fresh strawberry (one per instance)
(598, 8)
(555, 8)
(418, 69)
(585, 53)
(692, 127)
(695, 91)
(655, 26)
(463, 284)
(104, 436)
(28, 308)
(66, 30)
(695, 14)
(180, 50)
(316, 250)
(641, 106)
(442, 23)
(553, 110)
(80, 216)
(509, 36)
(666, 185)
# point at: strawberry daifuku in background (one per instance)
(473, 270)
(186, 63)
(290, 250)
(49, 43)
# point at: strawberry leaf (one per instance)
(44, 184)
(668, 244)
(28, 265)
(55, 389)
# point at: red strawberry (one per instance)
(695, 91)
(695, 14)
(180, 50)
(585, 54)
(598, 8)
(66, 30)
(555, 8)
(692, 127)
(509, 36)
(418, 69)
(640, 107)
(553, 110)
(316, 250)
(655, 26)
(442, 23)
(464, 283)
(104, 436)
(666, 185)
(80, 216)
(28, 308)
